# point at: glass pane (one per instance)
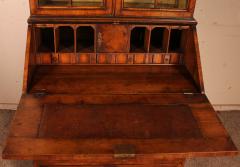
(173, 4)
(86, 3)
(139, 3)
(54, 2)
(162, 4)
(90, 3)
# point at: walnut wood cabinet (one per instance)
(114, 84)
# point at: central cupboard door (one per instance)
(72, 7)
(113, 38)
(155, 8)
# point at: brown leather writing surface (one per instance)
(120, 121)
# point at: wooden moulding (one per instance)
(89, 20)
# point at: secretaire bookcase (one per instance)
(114, 83)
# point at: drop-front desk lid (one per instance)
(64, 127)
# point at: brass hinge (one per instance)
(123, 151)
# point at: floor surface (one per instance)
(231, 120)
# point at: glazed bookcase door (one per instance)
(72, 7)
(159, 8)
(72, 3)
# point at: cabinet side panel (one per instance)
(192, 58)
(199, 73)
(30, 61)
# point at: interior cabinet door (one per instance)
(112, 38)
(155, 8)
(78, 7)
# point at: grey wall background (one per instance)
(219, 38)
